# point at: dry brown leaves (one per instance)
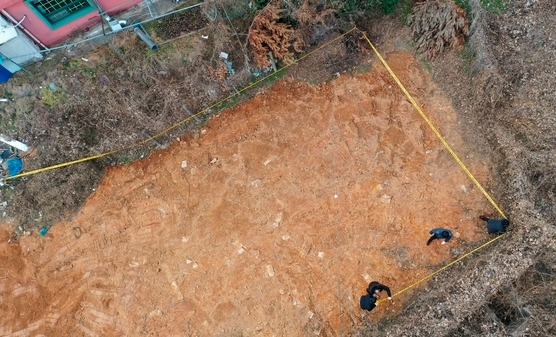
(437, 25)
(310, 16)
(268, 35)
(219, 72)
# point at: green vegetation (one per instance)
(389, 6)
(163, 52)
(271, 78)
(261, 3)
(151, 27)
(494, 5)
(50, 97)
(351, 6)
(468, 56)
(76, 64)
(225, 104)
(8, 122)
(236, 98)
(73, 64)
(489, 5)
(90, 137)
(174, 25)
(90, 71)
(427, 65)
(405, 10)
(362, 69)
(467, 6)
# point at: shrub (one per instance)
(268, 34)
(437, 25)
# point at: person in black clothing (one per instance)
(375, 288)
(368, 302)
(495, 226)
(439, 234)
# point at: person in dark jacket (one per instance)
(367, 302)
(495, 226)
(375, 288)
(439, 234)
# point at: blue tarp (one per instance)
(5, 74)
(43, 231)
(14, 165)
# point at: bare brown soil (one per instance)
(94, 276)
(501, 89)
(271, 220)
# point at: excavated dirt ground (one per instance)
(237, 231)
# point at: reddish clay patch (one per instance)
(238, 231)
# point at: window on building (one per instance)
(59, 12)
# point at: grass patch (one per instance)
(468, 55)
(77, 65)
(90, 137)
(496, 6)
(7, 122)
(226, 104)
(362, 69)
(91, 72)
(405, 10)
(427, 65)
(389, 6)
(50, 97)
(151, 27)
(72, 64)
(271, 78)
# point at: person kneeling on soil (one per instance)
(439, 234)
(368, 302)
(375, 288)
(495, 226)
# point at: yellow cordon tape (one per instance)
(447, 146)
(433, 128)
(410, 98)
(48, 168)
(443, 268)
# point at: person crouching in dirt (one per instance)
(368, 302)
(375, 288)
(439, 234)
(496, 226)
